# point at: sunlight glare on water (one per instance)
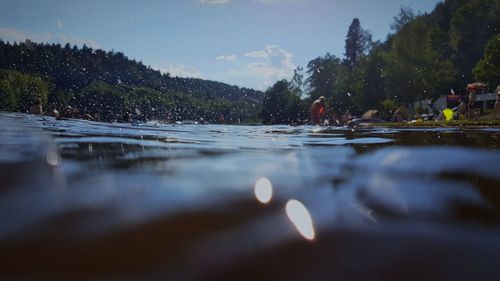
(301, 219)
(263, 190)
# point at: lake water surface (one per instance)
(82, 200)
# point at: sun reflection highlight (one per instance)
(53, 158)
(300, 217)
(263, 190)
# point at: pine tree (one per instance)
(357, 43)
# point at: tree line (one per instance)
(108, 86)
(424, 57)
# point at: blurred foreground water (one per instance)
(82, 200)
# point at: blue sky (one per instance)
(249, 43)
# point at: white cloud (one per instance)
(267, 73)
(180, 70)
(226, 58)
(11, 35)
(214, 2)
(256, 54)
(60, 24)
(264, 67)
(274, 56)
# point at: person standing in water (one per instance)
(36, 108)
(317, 110)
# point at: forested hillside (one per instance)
(425, 56)
(108, 85)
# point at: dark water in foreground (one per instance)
(94, 201)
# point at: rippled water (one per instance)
(86, 200)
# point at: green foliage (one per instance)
(488, 68)
(414, 69)
(115, 102)
(368, 83)
(109, 85)
(105, 100)
(59, 99)
(389, 104)
(281, 106)
(472, 26)
(18, 92)
(328, 77)
(425, 57)
(357, 43)
(297, 83)
(388, 108)
(405, 16)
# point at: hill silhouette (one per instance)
(74, 75)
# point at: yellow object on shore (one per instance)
(448, 114)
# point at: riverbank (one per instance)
(453, 123)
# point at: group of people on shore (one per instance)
(467, 107)
(321, 114)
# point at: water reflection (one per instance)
(263, 190)
(301, 219)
